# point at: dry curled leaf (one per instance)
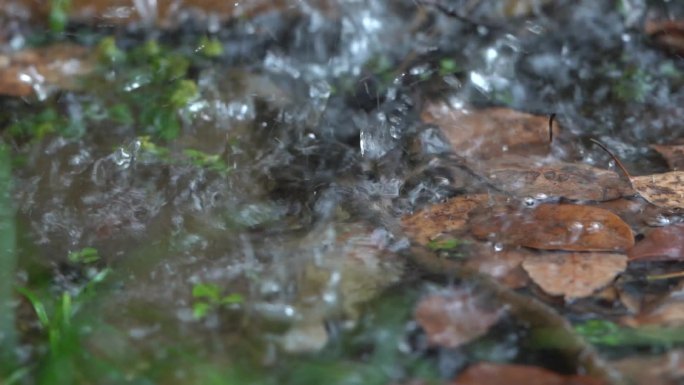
(555, 227)
(660, 244)
(441, 218)
(485, 373)
(537, 178)
(673, 154)
(489, 132)
(455, 318)
(574, 275)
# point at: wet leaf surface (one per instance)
(508, 374)
(489, 132)
(574, 275)
(542, 179)
(36, 70)
(454, 318)
(443, 218)
(660, 244)
(503, 265)
(555, 227)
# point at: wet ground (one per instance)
(213, 196)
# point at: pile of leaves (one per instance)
(555, 228)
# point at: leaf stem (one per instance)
(619, 163)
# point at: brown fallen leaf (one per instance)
(503, 265)
(668, 34)
(454, 318)
(665, 369)
(673, 154)
(166, 13)
(56, 66)
(665, 312)
(555, 227)
(485, 373)
(660, 244)
(489, 132)
(574, 275)
(663, 190)
(542, 179)
(442, 218)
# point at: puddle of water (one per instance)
(277, 180)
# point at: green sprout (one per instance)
(86, 255)
(445, 244)
(59, 15)
(448, 66)
(210, 161)
(210, 47)
(208, 298)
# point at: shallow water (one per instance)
(305, 147)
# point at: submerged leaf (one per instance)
(485, 373)
(574, 275)
(555, 227)
(660, 244)
(455, 318)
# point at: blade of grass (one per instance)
(8, 334)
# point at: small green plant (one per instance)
(209, 161)
(633, 86)
(604, 332)
(208, 298)
(59, 15)
(85, 255)
(210, 47)
(448, 66)
(445, 244)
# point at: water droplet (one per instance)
(529, 201)
(595, 227)
(576, 227)
(122, 158)
(498, 247)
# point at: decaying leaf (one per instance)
(660, 244)
(56, 66)
(673, 154)
(555, 227)
(442, 218)
(485, 373)
(668, 34)
(489, 132)
(574, 275)
(455, 318)
(662, 190)
(542, 179)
